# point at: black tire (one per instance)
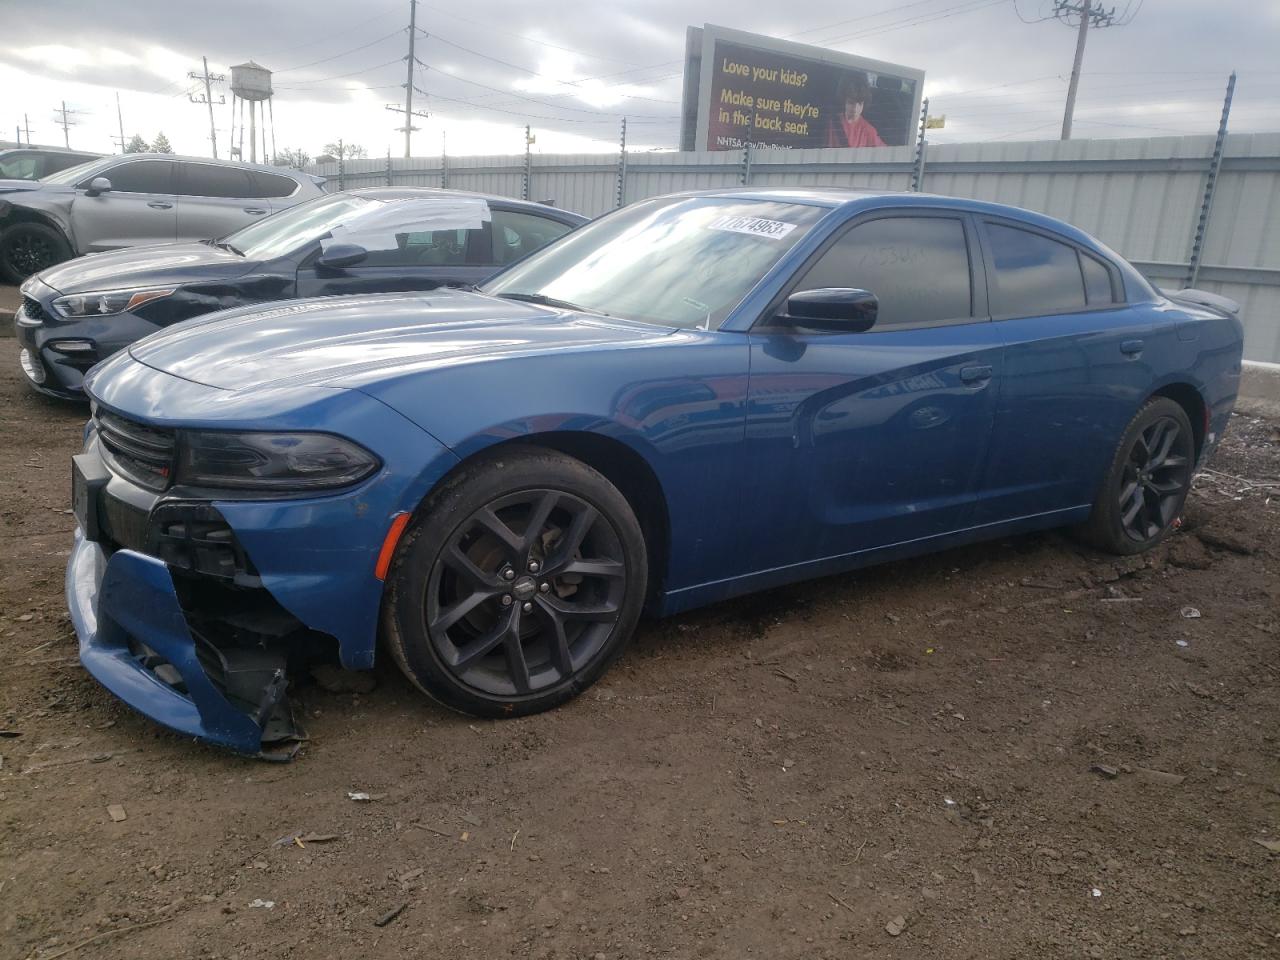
(1142, 495)
(27, 248)
(483, 636)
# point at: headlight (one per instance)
(107, 302)
(271, 461)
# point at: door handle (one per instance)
(976, 374)
(159, 204)
(1131, 348)
(255, 210)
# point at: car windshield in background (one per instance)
(74, 174)
(287, 231)
(680, 262)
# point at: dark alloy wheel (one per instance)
(27, 248)
(1148, 481)
(517, 585)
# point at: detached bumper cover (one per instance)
(126, 614)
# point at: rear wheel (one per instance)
(1147, 483)
(516, 586)
(27, 248)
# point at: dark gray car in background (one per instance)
(134, 200)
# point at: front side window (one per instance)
(140, 176)
(419, 248)
(291, 229)
(1033, 275)
(678, 261)
(917, 267)
(207, 180)
(516, 235)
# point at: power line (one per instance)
(489, 27)
(344, 32)
(1089, 15)
(336, 56)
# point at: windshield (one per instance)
(288, 230)
(73, 174)
(680, 261)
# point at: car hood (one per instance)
(14, 186)
(146, 266)
(352, 341)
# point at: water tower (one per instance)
(251, 82)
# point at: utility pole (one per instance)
(26, 123)
(210, 79)
(120, 121)
(1089, 15)
(63, 119)
(410, 60)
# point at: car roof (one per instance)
(264, 167)
(392, 194)
(63, 150)
(854, 199)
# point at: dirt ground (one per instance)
(1021, 749)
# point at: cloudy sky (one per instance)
(997, 69)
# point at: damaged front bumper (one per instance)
(135, 640)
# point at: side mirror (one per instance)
(98, 185)
(339, 255)
(843, 309)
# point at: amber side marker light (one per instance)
(400, 521)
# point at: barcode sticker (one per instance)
(756, 226)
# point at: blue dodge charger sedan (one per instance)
(691, 398)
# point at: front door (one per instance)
(139, 208)
(857, 441)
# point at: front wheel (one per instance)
(516, 585)
(1147, 483)
(27, 248)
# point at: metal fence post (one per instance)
(444, 161)
(917, 172)
(342, 165)
(388, 166)
(1210, 185)
(528, 164)
(621, 193)
(744, 175)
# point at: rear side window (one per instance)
(1032, 274)
(1097, 281)
(516, 235)
(20, 166)
(918, 268)
(426, 248)
(140, 176)
(272, 185)
(206, 180)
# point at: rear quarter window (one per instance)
(272, 185)
(1032, 274)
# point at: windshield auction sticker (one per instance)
(756, 226)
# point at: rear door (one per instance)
(857, 441)
(1077, 363)
(139, 209)
(215, 200)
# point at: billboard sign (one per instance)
(780, 94)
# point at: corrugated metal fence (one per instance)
(1142, 196)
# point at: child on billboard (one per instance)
(849, 128)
